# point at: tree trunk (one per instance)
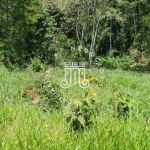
(93, 42)
(81, 41)
(110, 34)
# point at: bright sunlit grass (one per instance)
(24, 126)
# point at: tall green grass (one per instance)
(24, 126)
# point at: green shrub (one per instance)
(107, 62)
(121, 102)
(36, 64)
(82, 113)
(125, 62)
(114, 62)
(48, 92)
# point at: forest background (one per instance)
(109, 33)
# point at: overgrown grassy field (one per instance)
(24, 126)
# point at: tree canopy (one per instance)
(72, 30)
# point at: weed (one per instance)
(81, 113)
(23, 126)
(121, 102)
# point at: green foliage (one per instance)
(124, 62)
(147, 19)
(49, 93)
(48, 30)
(81, 113)
(36, 64)
(18, 23)
(148, 66)
(24, 126)
(44, 92)
(121, 102)
(1, 53)
(109, 62)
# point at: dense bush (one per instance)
(49, 93)
(44, 92)
(114, 62)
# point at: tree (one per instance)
(19, 20)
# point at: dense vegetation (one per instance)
(112, 37)
(27, 126)
(72, 30)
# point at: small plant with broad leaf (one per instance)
(82, 113)
(121, 102)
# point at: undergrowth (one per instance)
(100, 112)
